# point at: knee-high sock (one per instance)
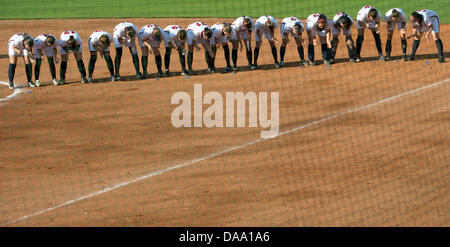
(334, 46)
(377, 38)
(144, 60)
(300, 52)
(388, 47)
(234, 56)
(282, 52)
(158, 61)
(359, 42)
(109, 64)
(311, 52)
(182, 58)
(213, 59)
(51, 65)
(226, 52)
(190, 58)
(91, 65)
(208, 59)
(415, 45)
(325, 52)
(255, 56)
(11, 72)
(29, 71)
(135, 61)
(350, 48)
(62, 70)
(440, 47)
(249, 55)
(167, 58)
(275, 54)
(118, 59)
(37, 68)
(404, 46)
(81, 68)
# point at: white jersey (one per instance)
(39, 42)
(65, 36)
(219, 36)
(402, 17)
(195, 33)
(146, 33)
(311, 25)
(363, 17)
(119, 30)
(170, 35)
(94, 40)
(430, 18)
(287, 26)
(238, 24)
(261, 21)
(17, 41)
(337, 27)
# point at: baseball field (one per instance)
(359, 144)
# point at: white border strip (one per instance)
(16, 92)
(152, 174)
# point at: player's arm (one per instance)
(208, 49)
(389, 24)
(329, 37)
(430, 29)
(414, 33)
(377, 26)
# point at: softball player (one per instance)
(243, 26)
(344, 22)
(45, 45)
(426, 21)
(125, 35)
(265, 25)
(222, 33)
(99, 42)
(175, 38)
(368, 17)
(70, 41)
(395, 18)
(199, 32)
(294, 27)
(20, 44)
(150, 37)
(319, 24)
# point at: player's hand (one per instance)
(274, 39)
(377, 31)
(56, 60)
(329, 45)
(211, 53)
(428, 37)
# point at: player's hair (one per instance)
(49, 40)
(104, 39)
(395, 13)
(345, 20)
(373, 13)
(227, 28)
(417, 16)
(208, 32)
(72, 43)
(269, 24)
(297, 27)
(28, 41)
(130, 32)
(157, 33)
(182, 35)
(247, 23)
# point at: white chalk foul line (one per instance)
(16, 92)
(152, 174)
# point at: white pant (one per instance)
(266, 33)
(153, 43)
(13, 53)
(434, 24)
(398, 25)
(64, 52)
(91, 46)
(48, 51)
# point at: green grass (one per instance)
(48, 9)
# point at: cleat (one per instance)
(90, 80)
(31, 84)
(234, 68)
(145, 75)
(167, 73)
(326, 62)
(11, 85)
(190, 71)
(381, 58)
(281, 63)
(118, 78)
(303, 62)
(441, 60)
(138, 76)
(411, 58)
(83, 80)
(404, 57)
(250, 66)
(358, 59)
(55, 82)
(276, 65)
(387, 58)
(62, 82)
(160, 74)
(311, 63)
(183, 72)
(113, 78)
(332, 61)
(254, 66)
(226, 70)
(37, 83)
(352, 60)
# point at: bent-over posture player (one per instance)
(222, 34)
(199, 32)
(20, 44)
(294, 27)
(320, 24)
(70, 41)
(368, 17)
(99, 42)
(426, 21)
(265, 25)
(175, 38)
(243, 26)
(150, 37)
(395, 18)
(344, 22)
(125, 35)
(45, 45)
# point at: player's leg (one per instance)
(12, 68)
(377, 38)
(300, 51)
(311, 35)
(390, 31)
(91, 65)
(234, 54)
(190, 59)
(284, 41)
(350, 48)
(439, 46)
(226, 52)
(158, 60)
(334, 46)
(79, 57)
(210, 61)
(415, 45)
(135, 56)
(359, 42)
(274, 53)
(325, 50)
(258, 40)
(248, 48)
(63, 66)
(167, 60)
(181, 56)
(118, 58)
(402, 33)
(49, 52)
(37, 66)
(109, 64)
(144, 60)
(28, 70)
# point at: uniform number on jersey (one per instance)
(151, 25)
(200, 24)
(316, 15)
(293, 19)
(175, 27)
(69, 32)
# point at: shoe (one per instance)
(55, 82)
(226, 70)
(411, 58)
(326, 62)
(332, 61)
(281, 63)
(167, 73)
(254, 66)
(311, 63)
(90, 80)
(352, 60)
(190, 71)
(62, 82)
(37, 83)
(213, 70)
(303, 62)
(387, 58)
(145, 75)
(276, 65)
(358, 59)
(11, 85)
(404, 57)
(83, 80)
(381, 58)
(118, 78)
(250, 66)
(31, 84)
(234, 68)
(160, 74)
(441, 60)
(113, 78)
(183, 72)
(138, 76)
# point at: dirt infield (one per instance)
(383, 165)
